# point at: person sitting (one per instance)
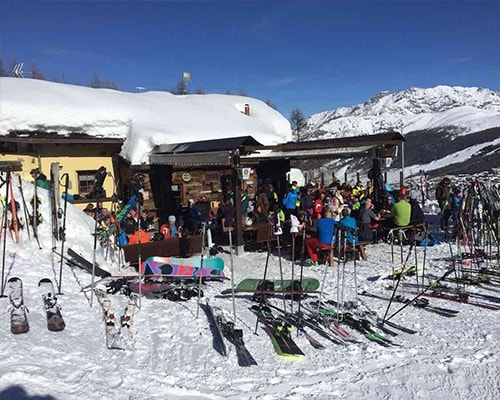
(348, 225)
(129, 224)
(368, 221)
(172, 226)
(139, 237)
(325, 236)
(147, 222)
(400, 212)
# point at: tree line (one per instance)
(297, 118)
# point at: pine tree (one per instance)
(270, 104)
(36, 73)
(95, 82)
(3, 71)
(299, 124)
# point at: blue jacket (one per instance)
(326, 230)
(348, 223)
(290, 200)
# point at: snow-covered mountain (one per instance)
(448, 129)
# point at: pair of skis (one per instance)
(222, 328)
(118, 331)
(420, 303)
(18, 316)
(279, 330)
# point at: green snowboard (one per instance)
(251, 285)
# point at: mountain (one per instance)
(448, 130)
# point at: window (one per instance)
(86, 182)
(212, 181)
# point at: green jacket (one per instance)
(401, 212)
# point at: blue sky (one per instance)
(311, 55)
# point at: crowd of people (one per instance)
(318, 210)
(324, 211)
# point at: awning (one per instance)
(381, 145)
(221, 158)
(217, 152)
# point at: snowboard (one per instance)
(183, 267)
(18, 314)
(55, 321)
(78, 260)
(270, 286)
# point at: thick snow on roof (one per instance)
(143, 119)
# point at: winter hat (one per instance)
(171, 218)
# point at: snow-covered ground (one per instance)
(171, 354)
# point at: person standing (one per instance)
(290, 201)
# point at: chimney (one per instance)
(247, 109)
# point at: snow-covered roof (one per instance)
(144, 120)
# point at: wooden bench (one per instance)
(258, 234)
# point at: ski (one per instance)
(279, 332)
(218, 337)
(55, 200)
(330, 323)
(361, 325)
(459, 298)
(301, 321)
(127, 319)
(234, 336)
(78, 260)
(420, 303)
(55, 321)
(111, 325)
(395, 274)
(18, 313)
(14, 224)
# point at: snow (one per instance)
(142, 119)
(469, 109)
(171, 354)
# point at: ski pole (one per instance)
(399, 276)
(232, 271)
(63, 233)
(293, 270)
(419, 295)
(5, 231)
(26, 217)
(199, 286)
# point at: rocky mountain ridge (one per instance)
(448, 130)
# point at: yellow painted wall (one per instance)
(69, 165)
